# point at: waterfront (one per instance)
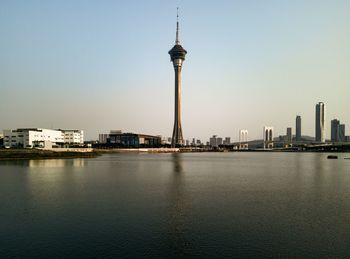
(194, 204)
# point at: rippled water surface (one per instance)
(193, 204)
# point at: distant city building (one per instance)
(31, 137)
(298, 128)
(227, 141)
(193, 143)
(243, 139)
(198, 142)
(187, 142)
(337, 131)
(103, 138)
(219, 141)
(133, 140)
(1, 139)
(165, 141)
(334, 130)
(213, 141)
(268, 137)
(289, 135)
(341, 133)
(320, 133)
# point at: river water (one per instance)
(172, 205)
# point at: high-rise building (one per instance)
(341, 133)
(337, 131)
(212, 141)
(227, 141)
(298, 128)
(320, 133)
(219, 141)
(177, 55)
(289, 135)
(334, 130)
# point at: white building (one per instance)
(31, 137)
(320, 126)
(73, 136)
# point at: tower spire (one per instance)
(177, 41)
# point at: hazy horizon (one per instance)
(101, 66)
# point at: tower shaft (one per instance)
(177, 138)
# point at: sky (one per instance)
(104, 65)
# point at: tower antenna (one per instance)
(177, 41)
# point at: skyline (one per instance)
(73, 65)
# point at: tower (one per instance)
(177, 56)
(320, 123)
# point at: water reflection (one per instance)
(180, 212)
(50, 163)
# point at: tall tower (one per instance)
(177, 56)
(320, 123)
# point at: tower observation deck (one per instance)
(177, 56)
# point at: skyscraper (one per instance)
(337, 131)
(320, 135)
(334, 130)
(298, 128)
(341, 133)
(177, 55)
(289, 135)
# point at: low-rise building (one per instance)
(32, 137)
(134, 140)
(73, 136)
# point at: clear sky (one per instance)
(101, 65)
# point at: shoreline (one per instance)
(36, 154)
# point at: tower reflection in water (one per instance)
(180, 218)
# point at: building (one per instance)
(320, 133)
(213, 141)
(268, 137)
(193, 143)
(73, 136)
(134, 140)
(289, 135)
(298, 128)
(37, 137)
(219, 141)
(177, 56)
(227, 141)
(243, 139)
(198, 142)
(337, 131)
(1, 139)
(341, 133)
(103, 138)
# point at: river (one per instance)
(175, 205)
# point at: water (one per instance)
(172, 205)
